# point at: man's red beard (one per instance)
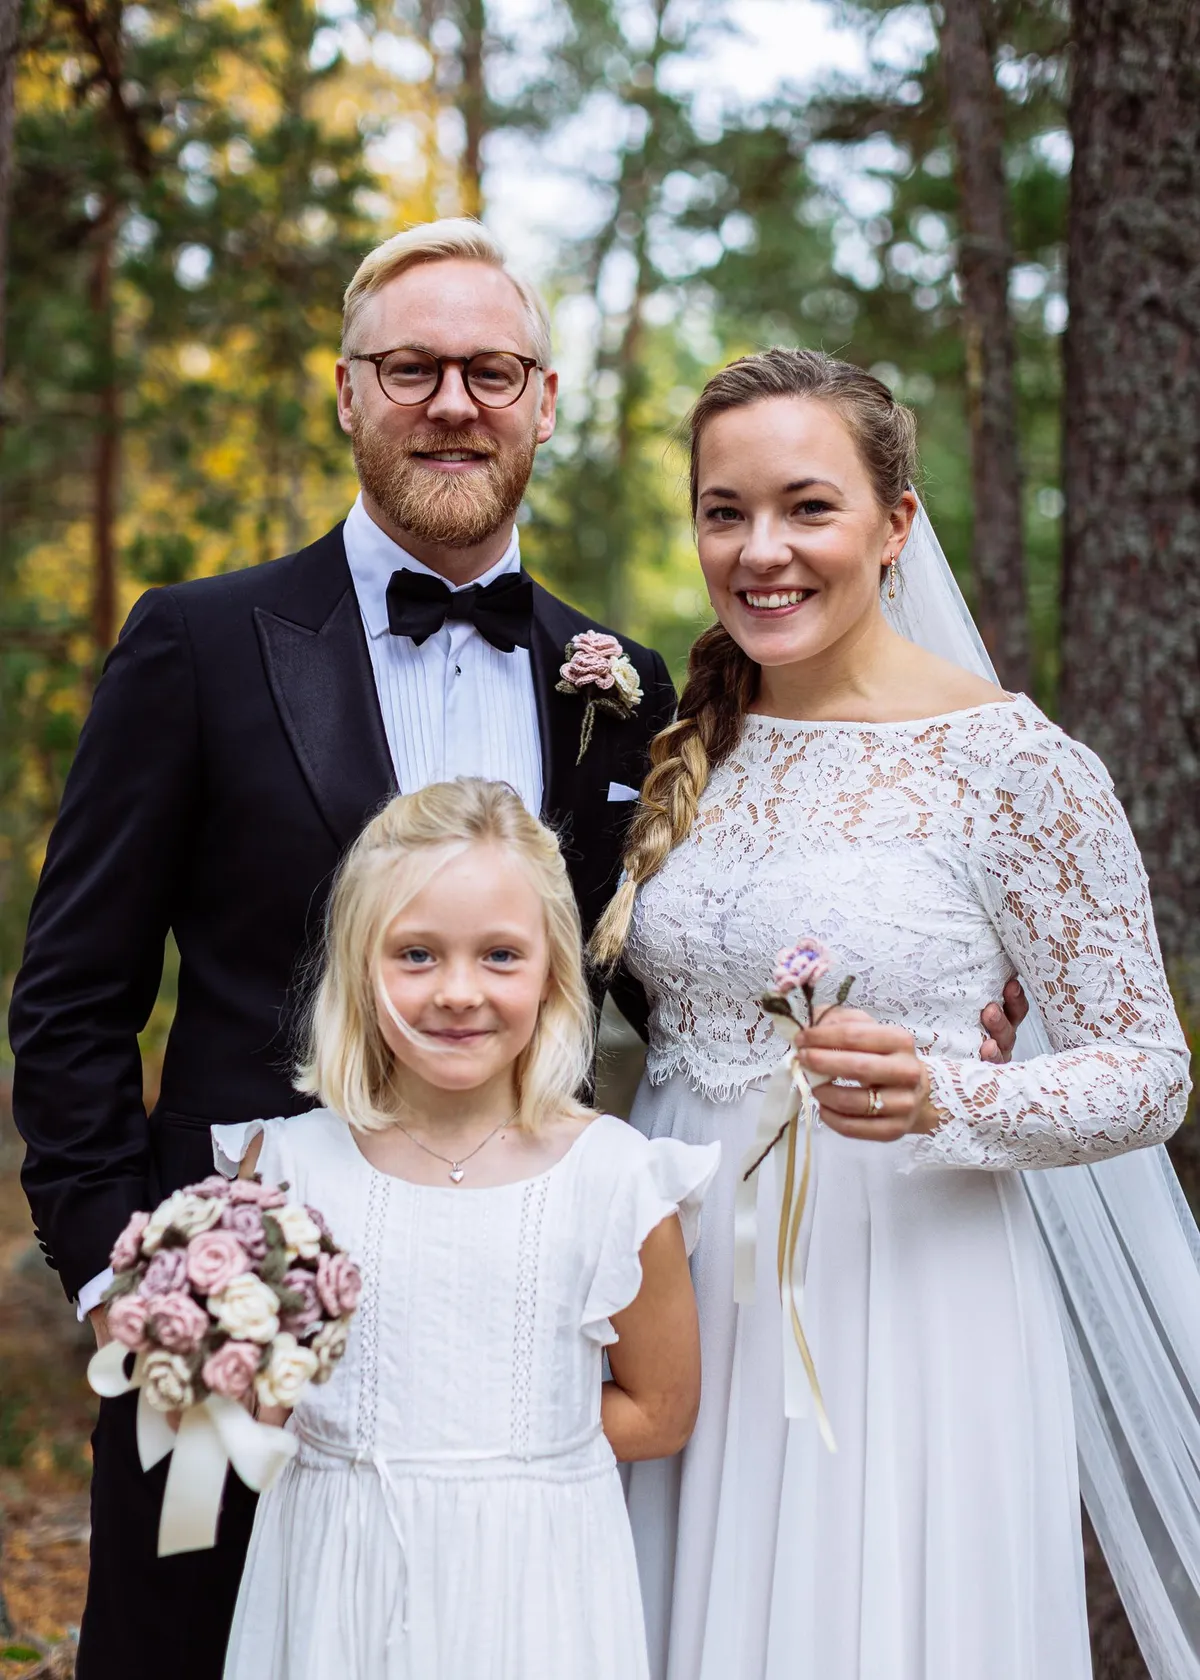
(454, 510)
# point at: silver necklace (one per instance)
(457, 1168)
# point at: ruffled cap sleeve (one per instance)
(230, 1144)
(662, 1177)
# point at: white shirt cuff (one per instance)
(90, 1295)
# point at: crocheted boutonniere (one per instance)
(598, 668)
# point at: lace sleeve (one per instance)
(1061, 876)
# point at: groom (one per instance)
(245, 728)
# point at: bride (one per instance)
(828, 776)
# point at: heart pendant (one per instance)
(456, 1173)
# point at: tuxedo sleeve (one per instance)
(94, 950)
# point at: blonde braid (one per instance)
(720, 685)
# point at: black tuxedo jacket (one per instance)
(233, 751)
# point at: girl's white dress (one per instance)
(935, 859)
(454, 1511)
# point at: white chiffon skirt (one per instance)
(942, 1540)
(493, 1574)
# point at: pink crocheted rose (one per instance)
(166, 1273)
(244, 1220)
(339, 1284)
(214, 1185)
(127, 1249)
(176, 1322)
(801, 965)
(214, 1259)
(302, 1318)
(261, 1195)
(127, 1320)
(230, 1371)
(593, 655)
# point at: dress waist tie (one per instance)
(382, 1467)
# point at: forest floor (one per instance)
(46, 1416)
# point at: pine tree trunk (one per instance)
(1131, 447)
(107, 446)
(984, 263)
(9, 36)
(472, 104)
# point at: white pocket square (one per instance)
(618, 790)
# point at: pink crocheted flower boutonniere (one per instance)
(598, 668)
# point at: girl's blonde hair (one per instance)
(721, 680)
(347, 1063)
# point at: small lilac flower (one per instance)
(801, 965)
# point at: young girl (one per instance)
(454, 1510)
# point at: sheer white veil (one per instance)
(1126, 1253)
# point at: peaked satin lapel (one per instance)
(560, 716)
(320, 673)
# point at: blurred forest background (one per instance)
(993, 204)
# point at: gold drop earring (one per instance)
(892, 578)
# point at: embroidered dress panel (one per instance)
(936, 859)
(455, 706)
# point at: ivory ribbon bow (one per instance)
(212, 1435)
(789, 1094)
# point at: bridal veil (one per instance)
(1126, 1254)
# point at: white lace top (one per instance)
(936, 859)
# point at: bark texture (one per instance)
(472, 104)
(1131, 564)
(9, 35)
(984, 265)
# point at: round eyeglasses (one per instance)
(493, 378)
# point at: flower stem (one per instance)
(753, 1168)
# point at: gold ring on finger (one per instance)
(874, 1101)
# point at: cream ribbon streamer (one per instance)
(788, 1096)
(212, 1435)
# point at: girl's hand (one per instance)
(848, 1044)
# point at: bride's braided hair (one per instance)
(721, 681)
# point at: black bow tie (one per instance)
(502, 611)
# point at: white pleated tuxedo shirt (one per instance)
(455, 706)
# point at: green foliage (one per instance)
(194, 186)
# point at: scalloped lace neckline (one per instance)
(1012, 702)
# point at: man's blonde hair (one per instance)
(347, 1063)
(455, 237)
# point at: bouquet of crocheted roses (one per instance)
(226, 1294)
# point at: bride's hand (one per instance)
(848, 1044)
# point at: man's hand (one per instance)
(98, 1319)
(1000, 1025)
